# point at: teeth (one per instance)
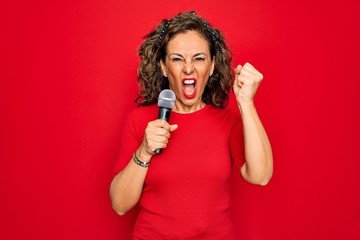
(189, 81)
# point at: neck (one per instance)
(182, 108)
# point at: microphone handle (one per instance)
(164, 113)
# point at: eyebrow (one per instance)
(197, 54)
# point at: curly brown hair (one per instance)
(150, 78)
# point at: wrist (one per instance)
(245, 107)
(140, 162)
(145, 157)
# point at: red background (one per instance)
(68, 78)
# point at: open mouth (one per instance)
(189, 87)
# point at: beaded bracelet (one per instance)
(140, 163)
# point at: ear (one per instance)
(163, 68)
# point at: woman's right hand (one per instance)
(157, 134)
(128, 184)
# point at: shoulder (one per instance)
(140, 116)
(228, 114)
(144, 111)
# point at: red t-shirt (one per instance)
(186, 190)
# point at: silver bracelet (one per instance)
(140, 163)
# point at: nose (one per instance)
(188, 67)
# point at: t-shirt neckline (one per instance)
(193, 113)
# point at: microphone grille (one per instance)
(166, 99)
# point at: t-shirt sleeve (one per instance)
(236, 144)
(129, 142)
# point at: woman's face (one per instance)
(188, 65)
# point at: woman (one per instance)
(184, 191)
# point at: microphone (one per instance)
(166, 102)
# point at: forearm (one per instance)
(258, 167)
(127, 186)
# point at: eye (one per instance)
(199, 59)
(176, 59)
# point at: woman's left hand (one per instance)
(258, 166)
(247, 81)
